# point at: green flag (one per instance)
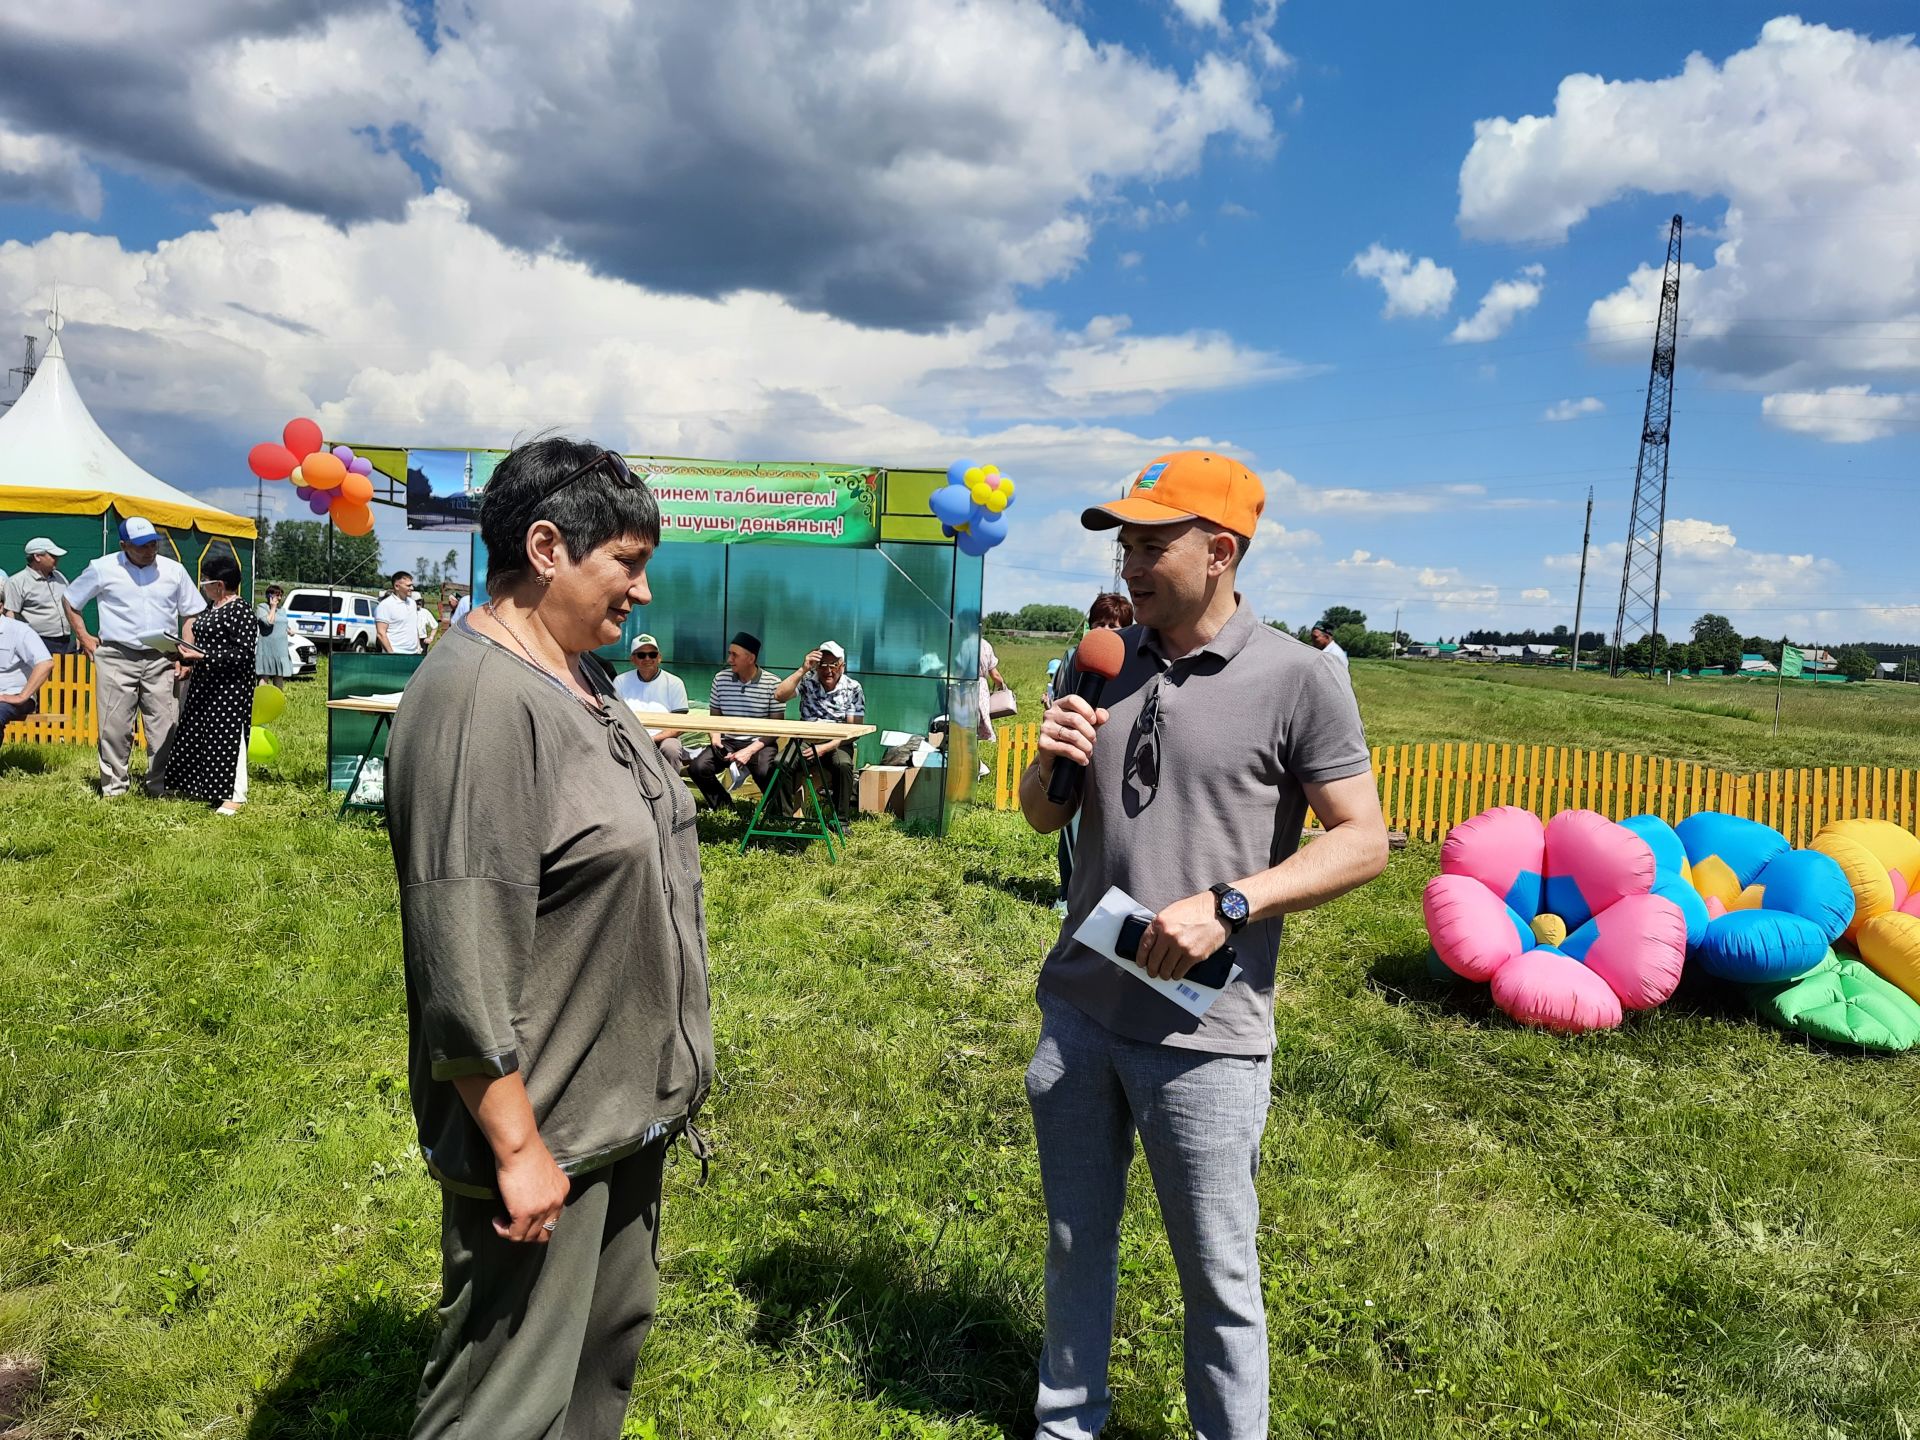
(1793, 661)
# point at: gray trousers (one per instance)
(1199, 1118)
(539, 1342)
(129, 680)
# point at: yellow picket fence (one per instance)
(68, 709)
(1425, 790)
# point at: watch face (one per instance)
(1233, 905)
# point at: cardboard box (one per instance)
(883, 789)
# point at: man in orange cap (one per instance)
(1200, 764)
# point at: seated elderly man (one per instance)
(25, 664)
(742, 689)
(648, 687)
(828, 693)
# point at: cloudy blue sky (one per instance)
(1400, 257)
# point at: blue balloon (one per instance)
(957, 472)
(952, 505)
(972, 544)
(990, 527)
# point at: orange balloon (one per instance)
(352, 519)
(323, 471)
(357, 489)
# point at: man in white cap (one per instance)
(828, 693)
(37, 595)
(141, 594)
(648, 687)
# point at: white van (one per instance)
(330, 618)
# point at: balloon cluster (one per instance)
(972, 506)
(335, 483)
(269, 703)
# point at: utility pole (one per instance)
(1580, 596)
(1646, 525)
(1393, 640)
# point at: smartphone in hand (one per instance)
(1212, 972)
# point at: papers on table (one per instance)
(1101, 931)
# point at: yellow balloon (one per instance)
(974, 476)
(962, 530)
(979, 491)
(991, 469)
(296, 478)
(996, 502)
(1006, 485)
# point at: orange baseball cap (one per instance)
(1187, 485)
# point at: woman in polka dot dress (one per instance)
(207, 751)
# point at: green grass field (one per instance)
(216, 1223)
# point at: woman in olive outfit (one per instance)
(556, 960)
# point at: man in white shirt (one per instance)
(141, 593)
(1330, 645)
(396, 620)
(25, 664)
(428, 622)
(648, 687)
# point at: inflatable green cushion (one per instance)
(1841, 1000)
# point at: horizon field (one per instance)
(218, 1223)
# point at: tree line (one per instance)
(295, 552)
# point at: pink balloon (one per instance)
(360, 465)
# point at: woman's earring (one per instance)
(546, 577)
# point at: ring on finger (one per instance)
(549, 1225)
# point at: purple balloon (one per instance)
(360, 465)
(320, 503)
(305, 492)
(343, 453)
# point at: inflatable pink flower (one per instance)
(1559, 919)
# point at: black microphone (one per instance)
(1098, 660)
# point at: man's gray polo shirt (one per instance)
(1242, 722)
(40, 601)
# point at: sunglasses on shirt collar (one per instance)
(607, 464)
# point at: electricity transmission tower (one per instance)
(1640, 574)
(25, 372)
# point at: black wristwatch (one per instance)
(1231, 906)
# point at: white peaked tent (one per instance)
(63, 478)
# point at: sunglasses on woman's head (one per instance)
(606, 463)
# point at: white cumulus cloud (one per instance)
(1803, 150)
(951, 152)
(1412, 287)
(1846, 414)
(1574, 409)
(1504, 302)
(37, 170)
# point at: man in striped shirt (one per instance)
(742, 689)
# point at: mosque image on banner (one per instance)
(443, 488)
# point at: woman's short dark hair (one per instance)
(223, 568)
(588, 511)
(1110, 609)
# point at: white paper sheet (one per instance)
(1101, 931)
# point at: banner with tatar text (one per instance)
(793, 505)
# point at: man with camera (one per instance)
(1200, 758)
